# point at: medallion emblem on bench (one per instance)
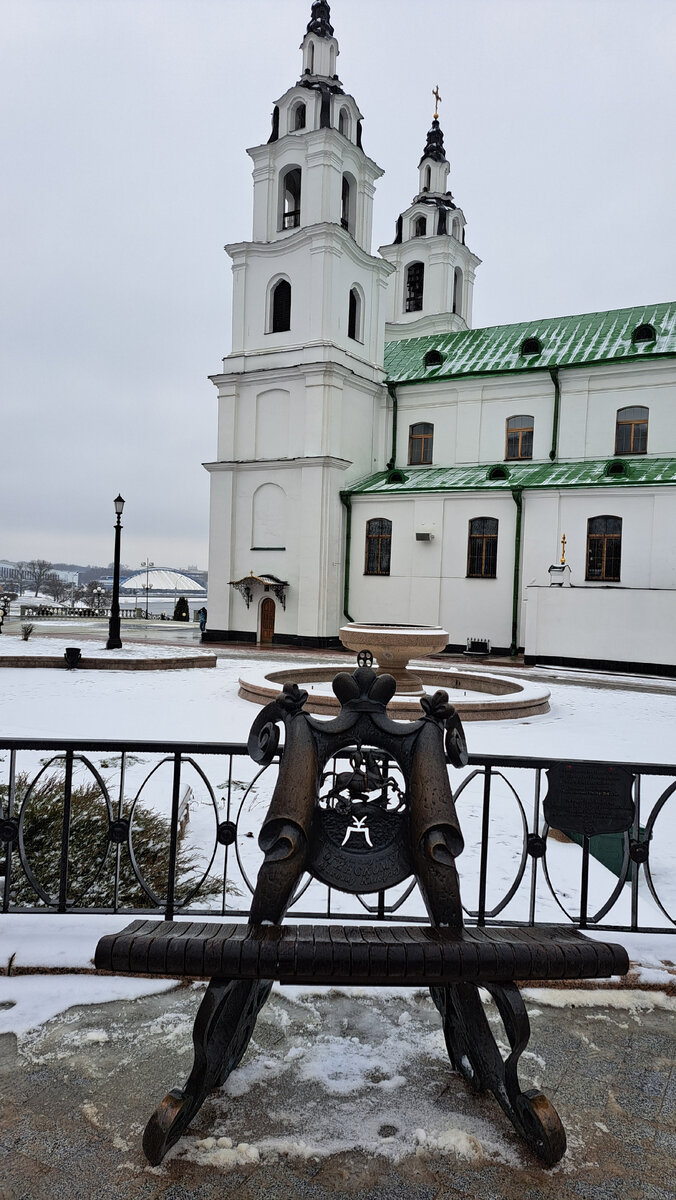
(360, 836)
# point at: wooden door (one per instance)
(267, 620)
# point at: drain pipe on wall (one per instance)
(554, 372)
(517, 497)
(393, 396)
(347, 501)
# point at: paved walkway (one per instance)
(340, 1095)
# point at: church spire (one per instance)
(320, 20)
(434, 146)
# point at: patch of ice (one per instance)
(38, 998)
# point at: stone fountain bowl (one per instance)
(393, 646)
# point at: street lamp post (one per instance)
(147, 564)
(97, 594)
(114, 641)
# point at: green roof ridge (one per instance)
(640, 471)
(576, 340)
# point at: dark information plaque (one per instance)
(589, 799)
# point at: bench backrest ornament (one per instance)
(387, 816)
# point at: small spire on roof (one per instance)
(434, 146)
(320, 20)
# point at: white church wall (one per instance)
(428, 581)
(609, 624)
(272, 423)
(591, 397)
(220, 548)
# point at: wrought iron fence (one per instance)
(171, 829)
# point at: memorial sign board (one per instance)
(589, 798)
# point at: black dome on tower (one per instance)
(320, 20)
(434, 147)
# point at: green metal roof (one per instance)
(566, 342)
(592, 473)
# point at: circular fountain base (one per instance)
(476, 696)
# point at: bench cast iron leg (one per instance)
(474, 1052)
(223, 1027)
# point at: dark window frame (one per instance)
(378, 546)
(521, 437)
(482, 548)
(280, 307)
(420, 444)
(631, 433)
(292, 189)
(604, 549)
(414, 287)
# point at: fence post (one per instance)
(485, 816)
(65, 832)
(173, 843)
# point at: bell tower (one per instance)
(431, 290)
(301, 401)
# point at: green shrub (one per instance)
(181, 611)
(91, 870)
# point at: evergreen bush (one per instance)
(181, 611)
(91, 871)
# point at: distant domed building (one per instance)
(162, 581)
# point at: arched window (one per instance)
(332, 60)
(482, 548)
(457, 291)
(298, 116)
(631, 430)
(311, 58)
(420, 444)
(455, 228)
(415, 282)
(345, 203)
(344, 122)
(420, 227)
(428, 179)
(604, 548)
(290, 185)
(519, 437)
(378, 546)
(280, 314)
(433, 358)
(354, 315)
(531, 345)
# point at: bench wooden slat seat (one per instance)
(362, 830)
(376, 955)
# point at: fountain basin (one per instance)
(476, 696)
(393, 646)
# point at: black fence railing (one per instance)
(166, 828)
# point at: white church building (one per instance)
(378, 459)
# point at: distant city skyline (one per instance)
(124, 129)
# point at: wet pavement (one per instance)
(340, 1095)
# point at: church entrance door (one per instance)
(267, 620)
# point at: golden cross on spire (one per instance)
(563, 550)
(437, 101)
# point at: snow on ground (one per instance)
(27, 1001)
(53, 647)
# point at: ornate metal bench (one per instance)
(388, 817)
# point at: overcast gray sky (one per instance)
(123, 126)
